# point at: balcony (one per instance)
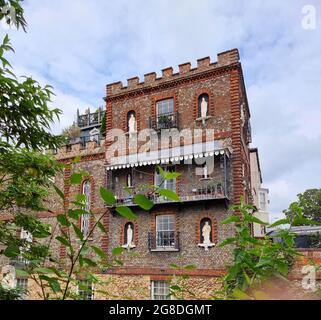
(90, 119)
(205, 189)
(83, 140)
(164, 121)
(163, 241)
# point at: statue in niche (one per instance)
(132, 123)
(203, 108)
(206, 234)
(9, 277)
(129, 180)
(129, 232)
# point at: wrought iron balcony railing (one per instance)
(85, 139)
(90, 119)
(163, 241)
(164, 121)
(202, 190)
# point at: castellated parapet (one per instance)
(78, 149)
(224, 59)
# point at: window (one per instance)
(85, 218)
(165, 231)
(160, 290)
(167, 184)
(262, 201)
(166, 118)
(27, 236)
(203, 105)
(22, 286)
(86, 290)
(165, 107)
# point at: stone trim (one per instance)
(166, 272)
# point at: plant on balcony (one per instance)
(72, 133)
(164, 121)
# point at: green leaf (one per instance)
(63, 220)
(12, 250)
(161, 171)
(117, 251)
(59, 192)
(73, 214)
(251, 218)
(78, 231)
(99, 252)
(22, 273)
(231, 219)
(101, 227)
(143, 202)
(172, 175)
(279, 223)
(42, 270)
(89, 262)
(76, 159)
(227, 241)
(282, 267)
(54, 285)
(81, 198)
(126, 212)
(107, 196)
(169, 194)
(76, 178)
(64, 241)
(239, 294)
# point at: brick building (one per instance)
(195, 122)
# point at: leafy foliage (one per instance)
(310, 204)
(254, 260)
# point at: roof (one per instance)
(300, 230)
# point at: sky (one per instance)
(80, 46)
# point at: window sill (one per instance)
(164, 249)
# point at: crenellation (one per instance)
(203, 64)
(184, 67)
(75, 149)
(167, 72)
(149, 77)
(132, 82)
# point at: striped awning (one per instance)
(170, 155)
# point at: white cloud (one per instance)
(80, 46)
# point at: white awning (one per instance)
(170, 155)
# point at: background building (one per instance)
(259, 194)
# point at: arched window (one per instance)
(85, 218)
(131, 121)
(206, 231)
(203, 106)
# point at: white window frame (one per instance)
(262, 198)
(164, 234)
(167, 184)
(83, 293)
(23, 287)
(85, 218)
(162, 296)
(165, 104)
